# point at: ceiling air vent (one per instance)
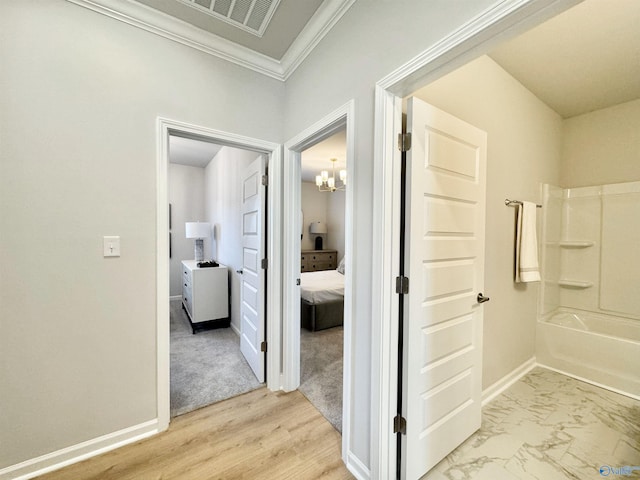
(252, 16)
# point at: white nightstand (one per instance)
(205, 295)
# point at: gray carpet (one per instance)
(321, 371)
(206, 367)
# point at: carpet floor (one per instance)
(205, 368)
(321, 356)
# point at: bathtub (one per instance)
(600, 349)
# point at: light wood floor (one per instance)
(258, 435)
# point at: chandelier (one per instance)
(326, 183)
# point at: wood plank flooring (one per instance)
(261, 435)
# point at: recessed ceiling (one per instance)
(318, 158)
(585, 59)
(283, 25)
(191, 152)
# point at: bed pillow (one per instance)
(340, 268)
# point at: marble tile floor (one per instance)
(548, 426)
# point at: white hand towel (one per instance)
(527, 244)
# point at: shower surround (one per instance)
(589, 305)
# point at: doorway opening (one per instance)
(322, 267)
(210, 298)
(338, 124)
(520, 178)
(207, 364)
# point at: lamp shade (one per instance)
(197, 229)
(318, 228)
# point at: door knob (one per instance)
(239, 271)
(481, 298)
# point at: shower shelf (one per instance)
(574, 283)
(575, 244)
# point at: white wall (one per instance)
(186, 196)
(80, 94)
(335, 223)
(323, 207)
(223, 200)
(314, 208)
(523, 151)
(371, 40)
(602, 147)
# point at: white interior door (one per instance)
(252, 294)
(444, 260)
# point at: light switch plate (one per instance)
(112, 246)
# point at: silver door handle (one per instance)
(239, 271)
(481, 298)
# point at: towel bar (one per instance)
(511, 203)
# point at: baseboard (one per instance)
(235, 329)
(591, 382)
(509, 379)
(357, 468)
(76, 453)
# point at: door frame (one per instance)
(505, 20)
(342, 117)
(166, 127)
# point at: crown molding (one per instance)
(318, 26)
(159, 23)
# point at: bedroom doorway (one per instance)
(234, 145)
(322, 246)
(209, 360)
(300, 233)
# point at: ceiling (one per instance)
(585, 59)
(287, 21)
(317, 158)
(191, 152)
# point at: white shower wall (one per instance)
(589, 249)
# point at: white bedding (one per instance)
(321, 287)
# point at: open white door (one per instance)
(444, 261)
(252, 294)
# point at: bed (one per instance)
(321, 299)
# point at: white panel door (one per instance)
(252, 291)
(444, 260)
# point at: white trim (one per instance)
(159, 23)
(318, 26)
(509, 379)
(505, 19)
(339, 118)
(385, 308)
(274, 242)
(591, 382)
(77, 453)
(357, 468)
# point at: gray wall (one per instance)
(186, 196)
(79, 95)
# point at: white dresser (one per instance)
(205, 295)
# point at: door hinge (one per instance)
(264, 263)
(404, 142)
(402, 285)
(265, 180)
(263, 346)
(400, 425)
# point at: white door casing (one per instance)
(444, 261)
(252, 291)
